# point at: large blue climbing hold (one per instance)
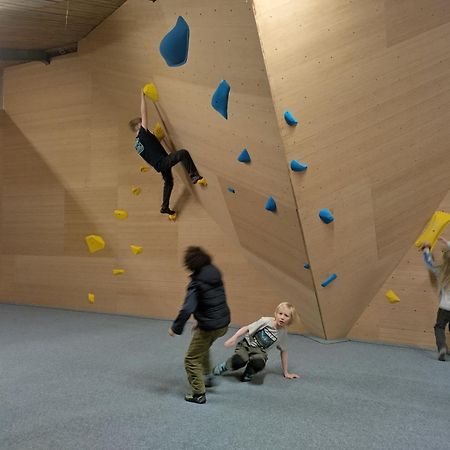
(271, 205)
(306, 266)
(326, 216)
(297, 166)
(175, 44)
(290, 119)
(219, 99)
(329, 280)
(244, 156)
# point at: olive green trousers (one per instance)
(197, 362)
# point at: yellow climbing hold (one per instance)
(136, 249)
(91, 297)
(136, 190)
(434, 229)
(118, 271)
(202, 182)
(95, 243)
(151, 92)
(144, 169)
(392, 296)
(158, 131)
(172, 217)
(120, 213)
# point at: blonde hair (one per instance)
(444, 269)
(294, 315)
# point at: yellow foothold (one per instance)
(120, 213)
(118, 271)
(91, 297)
(136, 249)
(136, 190)
(95, 243)
(159, 132)
(434, 229)
(172, 217)
(151, 92)
(392, 296)
(144, 169)
(202, 182)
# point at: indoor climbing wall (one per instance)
(223, 45)
(410, 319)
(69, 163)
(368, 83)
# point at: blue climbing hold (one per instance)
(244, 156)
(290, 119)
(306, 266)
(230, 189)
(326, 216)
(271, 205)
(175, 44)
(329, 280)
(297, 166)
(219, 99)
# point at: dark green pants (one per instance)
(252, 358)
(197, 362)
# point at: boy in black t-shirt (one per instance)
(151, 150)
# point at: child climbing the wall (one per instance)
(442, 274)
(151, 150)
(258, 338)
(206, 300)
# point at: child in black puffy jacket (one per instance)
(206, 300)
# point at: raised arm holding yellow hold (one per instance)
(434, 229)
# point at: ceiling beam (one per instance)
(14, 54)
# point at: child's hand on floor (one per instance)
(291, 376)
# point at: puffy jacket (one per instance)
(206, 300)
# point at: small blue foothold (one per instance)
(174, 46)
(230, 189)
(306, 266)
(329, 280)
(219, 99)
(244, 157)
(297, 166)
(326, 216)
(290, 119)
(271, 205)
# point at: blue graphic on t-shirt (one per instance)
(265, 338)
(138, 146)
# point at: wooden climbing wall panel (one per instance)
(69, 161)
(369, 83)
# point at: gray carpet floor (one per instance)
(73, 380)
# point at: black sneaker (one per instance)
(196, 398)
(442, 354)
(195, 178)
(169, 211)
(246, 377)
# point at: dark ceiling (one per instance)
(47, 27)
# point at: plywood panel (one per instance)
(69, 144)
(411, 321)
(370, 87)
